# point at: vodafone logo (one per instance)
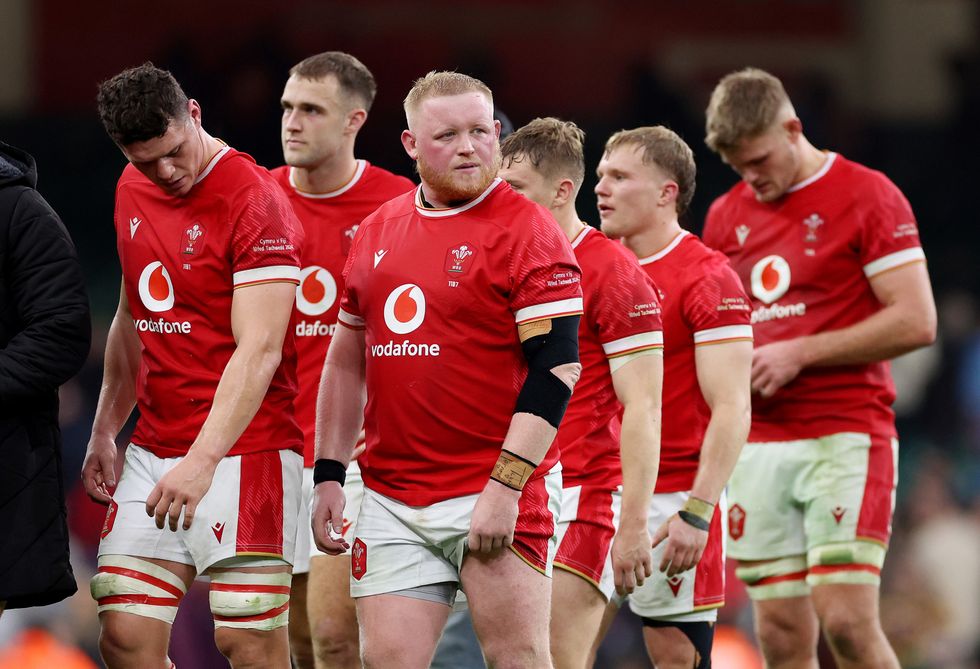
(770, 278)
(156, 288)
(316, 292)
(405, 309)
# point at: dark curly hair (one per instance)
(138, 104)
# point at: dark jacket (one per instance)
(45, 334)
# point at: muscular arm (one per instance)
(723, 376)
(116, 401)
(906, 321)
(339, 416)
(259, 317)
(638, 385)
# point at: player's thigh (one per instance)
(510, 600)
(399, 631)
(765, 512)
(846, 606)
(333, 616)
(577, 609)
(669, 648)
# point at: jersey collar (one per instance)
(358, 173)
(442, 213)
(580, 237)
(665, 250)
(211, 163)
(831, 157)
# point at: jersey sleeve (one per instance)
(716, 306)
(623, 304)
(545, 279)
(711, 234)
(267, 237)
(889, 236)
(349, 314)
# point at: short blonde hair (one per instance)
(439, 84)
(665, 149)
(553, 147)
(744, 104)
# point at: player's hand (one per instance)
(180, 489)
(685, 545)
(776, 364)
(99, 468)
(631, 559)
(494, 518)
(328, 517)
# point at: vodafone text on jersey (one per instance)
(404, 312)
(157, 294)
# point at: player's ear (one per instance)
(794, 128)
(355, 120)
(496, 129)
(565, 193)
(668, 193)
(408, 141)
(194, 111)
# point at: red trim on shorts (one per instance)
(769, 580)
(260, 506)
(139, 599)
(709, 575)
(875, 517)
(829, 569)
(146, 578)
(535, 524)
(241, 587)
(246, 619)
(587, 540)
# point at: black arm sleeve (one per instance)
(543, 393)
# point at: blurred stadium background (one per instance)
(894, 84)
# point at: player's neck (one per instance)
(812, 159)
(328, 176)
(653, 238)
(569, 222)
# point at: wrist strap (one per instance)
(512, 470)
(697, 513)
(329, 470)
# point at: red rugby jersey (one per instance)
(806, 259)
(440, 293)
(329, 223)
(621, 316)
(703, 303)
(182, 259)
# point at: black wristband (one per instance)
(329, 470)
(694, 520)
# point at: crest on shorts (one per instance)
(110, 518)
(193, 239)
(736, 522)
(459, 259)
(838, 512)
(675, 583)
(358, 559)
